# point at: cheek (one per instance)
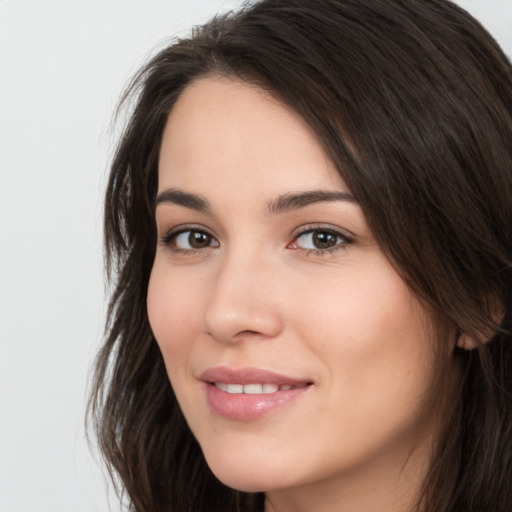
(358, 309)
(370, 331)
(173, 311)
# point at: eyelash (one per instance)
(170, 238)
(344, 240)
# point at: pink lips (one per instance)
(230, 403)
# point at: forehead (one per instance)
(232, 134)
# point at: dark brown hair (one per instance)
(412, 100)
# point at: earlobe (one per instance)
(466, 342)
(495, 313)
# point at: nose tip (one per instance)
(242, 306)
(229, 326)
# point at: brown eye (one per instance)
(321, 240)
(324, 239)
(191, 240)
(198, 240)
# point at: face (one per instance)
(297, 353)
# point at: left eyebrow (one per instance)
(295, 201)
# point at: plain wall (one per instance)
(62, 68)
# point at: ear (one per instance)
(496, 313)
(465, 342)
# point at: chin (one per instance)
(247, 476)
(244, 484)
(246, 481)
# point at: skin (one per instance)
(258, 293)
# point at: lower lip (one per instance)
(242, 406)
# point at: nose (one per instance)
(244, 303)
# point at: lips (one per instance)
(249, 393)
(249, 376)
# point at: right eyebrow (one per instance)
(175, 196)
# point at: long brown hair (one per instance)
(412, 100)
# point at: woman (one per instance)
(308, 221)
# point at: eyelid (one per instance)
(174, 232)
(346, 238)
(317, 226)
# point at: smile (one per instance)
(250, 393)
(254, 389)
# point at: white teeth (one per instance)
(270, 388)
(235, 388)
(222, 385)
(252, 389)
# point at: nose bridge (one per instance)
(243, 300)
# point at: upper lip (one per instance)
(248, 375)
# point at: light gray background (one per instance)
(62, 67)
